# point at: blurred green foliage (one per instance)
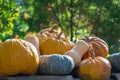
(8, 13)
(77, 18)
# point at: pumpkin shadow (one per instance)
(74, 72)
(113, 77)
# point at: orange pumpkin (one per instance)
(56, 44)
(94, 68)
(100, 47)
(47, 33)
(18, 57)
(42, 37)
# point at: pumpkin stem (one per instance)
(92, 52)
(91, 48)
(16, 37)
(87, 39)
(59, 35)
(51, 30)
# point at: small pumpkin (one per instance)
(55, 45)
(34, 40)
(18, 57)
(55, 64)
(115, 62)
(77, 52)
(94, 68)
(100, 47)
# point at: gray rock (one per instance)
(36, 77)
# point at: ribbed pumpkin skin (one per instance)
(114, 59)
(18, 57)
(55, 64)
(48, 33)
(42, 37)
(94, 69)
(100, 47)
(53, 45)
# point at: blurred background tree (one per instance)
(8, 13)
(77, 18)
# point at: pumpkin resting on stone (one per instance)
(94, 68)
(18, 57)
(100, 47)
(55, 64)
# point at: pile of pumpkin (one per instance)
(51, 53)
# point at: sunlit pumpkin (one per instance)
(94, 68)
(100, 47)
(42, 37)
(56, 44)
(18, 57)
(55, 64)
(47, 33)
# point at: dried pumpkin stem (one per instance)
(59, 35)
(91, 48)
(92, 53)
(51, 30)
(16, 36)
(87, 39)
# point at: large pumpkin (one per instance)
(115, 62)
(100, 47)
(55, 64)
(94, 68)
(56, 44)
(18, 57)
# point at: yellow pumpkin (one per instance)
(94, 68)
(55, 45)
(18, 57)
(42, 37)
(47, 33)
